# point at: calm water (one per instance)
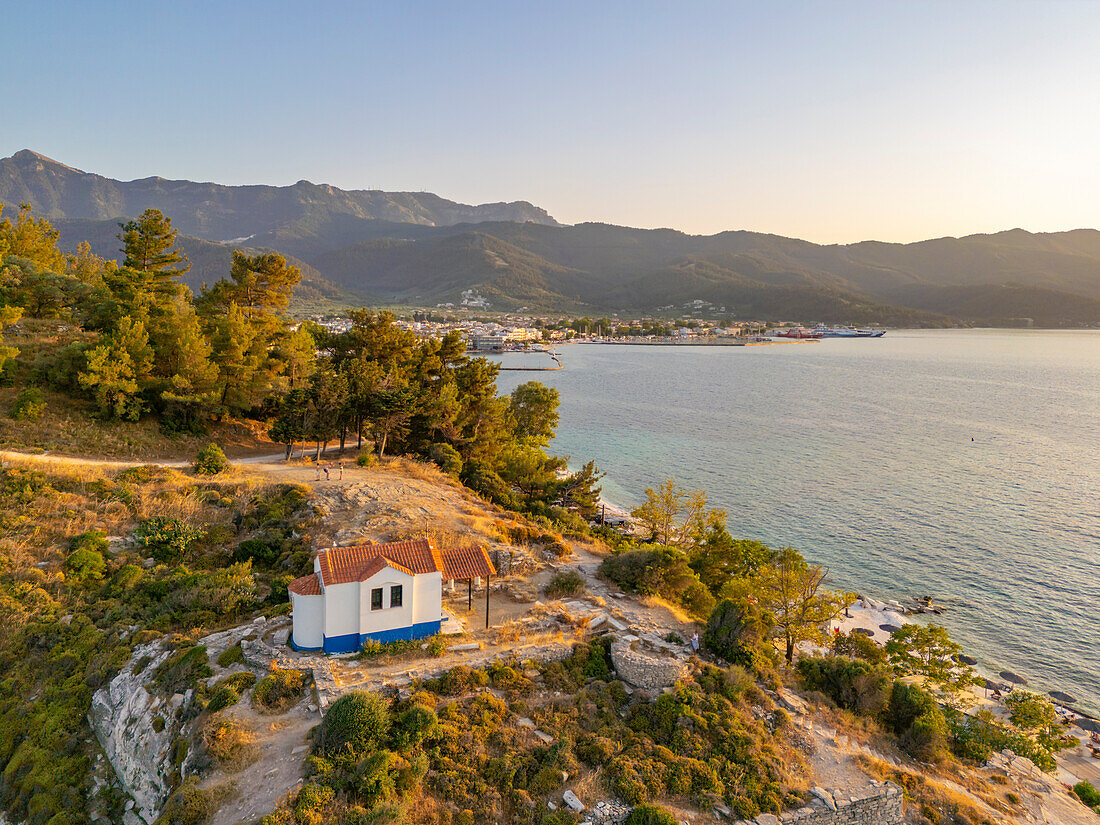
(961, 464)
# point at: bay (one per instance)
(962, 464)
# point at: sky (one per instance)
(831, 121)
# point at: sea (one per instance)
(958, 464)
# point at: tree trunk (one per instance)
(359, 430)
(289, 450)
(790, 649)
(382, 449)
(317, 455)
(343, 436)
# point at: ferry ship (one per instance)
(823, 331)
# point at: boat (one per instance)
(847, 332)
(798, 332)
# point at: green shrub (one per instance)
(167, 539)
(29, 405)
(565, 583)
(189, 805)
(85, 564)
(210, 461)
(447, 458)
(858, 646)
(918, 720)
(735, 632)
(258, 550)
(650, 815)
(231, 656)
(182, 670)
(279, 690)
(223, 698)
(1088, 794)
(365, 459)
(854, 684)
(660, 571)
(356, 723)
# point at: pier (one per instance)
(698, 342)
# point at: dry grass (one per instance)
(935, 802)
(68, 427)
(439, 536)
(411, 468)
(81, 497)
(231, 741)
(677, 612)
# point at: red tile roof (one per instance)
(348, 564)
(466, 563)
(305, 586)
(379, 562)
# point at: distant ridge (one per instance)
(218, 212)
(419, 248)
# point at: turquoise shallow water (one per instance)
(859, 453)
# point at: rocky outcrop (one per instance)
(138, 728)
(879, 803)
(648, 661)
(124, 718)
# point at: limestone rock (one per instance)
(825, 797)
(122, 716)
(570, 799)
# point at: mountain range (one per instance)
(417, 248)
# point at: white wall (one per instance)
(428, 603)
(388, 618)
(309, 619)
(341, 609)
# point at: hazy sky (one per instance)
(831, 121)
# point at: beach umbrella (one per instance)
(1014, 678)
(1088, 724)
(889, 628)
(1062, 697)
(989, 684)
(967, 660)
(864, 631)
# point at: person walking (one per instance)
(695, 642)
(326, 472)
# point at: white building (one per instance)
(384, 592)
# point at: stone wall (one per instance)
(879, 803)
(648, 662)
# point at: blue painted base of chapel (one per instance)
(351, 642)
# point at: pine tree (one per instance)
(109, 375)
(148, 244)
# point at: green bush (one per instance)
(231, 656)
(854, 684)
(918, 720)
(650, 815)
(447, 458)
(356, 723)
(167, 539)
(210, 460)
(565, 583)
(858, 646)
(735, 632)
(660, 571)
(279, 690)
(183, 670)
(86, 563)
(258, 550)
(1088, 794)
(365, 459)
(29, 405)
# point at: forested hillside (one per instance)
(421, 249)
